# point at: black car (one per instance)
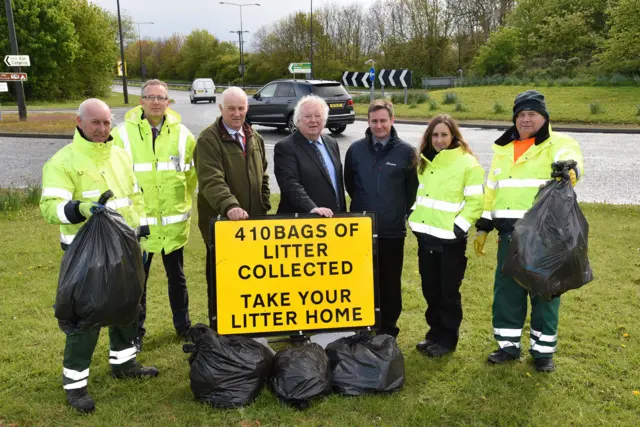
(274, 103)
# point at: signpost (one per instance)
(396, 78)
(279, 275)
(300, 68)
(17, 60)
(13, 42)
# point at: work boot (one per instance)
(138, 343)
(545, 364)
(437, 350)
(135, 370)
(500, 356)
(80, 400)
(423, 345)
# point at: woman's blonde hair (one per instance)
(426, 144)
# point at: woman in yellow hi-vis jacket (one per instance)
(449, 200)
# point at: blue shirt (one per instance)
(327, 161)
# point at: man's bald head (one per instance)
(234, 107)
(94, 120)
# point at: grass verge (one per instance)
(598, 358)
(47, 123)
(115, 99)
(565, 104)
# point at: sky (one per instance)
(183, 16)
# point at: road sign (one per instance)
(395, 78)
(241, 69)
(295, 274)
(17, 61)
(372, 74)
(13, 77)
(300, 68)
(4, 87)
(355, 78)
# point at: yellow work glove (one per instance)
(572, 177)
(479, 241)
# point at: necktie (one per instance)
(378, 147)
(316, 145)
(154, 132)
(238, 138)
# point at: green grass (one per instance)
(566, 104)
(597, 363)
(115, 99)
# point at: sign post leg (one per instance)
(405, 95)
(382, 91)
(372, 94)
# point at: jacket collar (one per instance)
(81, 138)
(512, 134)
(393, 138)
(224, 134)
(136, 115)
(443, 156)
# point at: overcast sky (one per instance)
(183, 16)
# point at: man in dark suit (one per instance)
(307, 165)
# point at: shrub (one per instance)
(420, 98)
(413, 105)
(10, 200)
(596, 108)
(460, 107)
(450, 98)
(498, 108)
(32, 194)
(637, 109)
(573, 62)
(512, 81)
(361, 99)
(433, 105)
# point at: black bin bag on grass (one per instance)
(362, 364)
(548, 253)
(226, 371)
(299, 374)
(102, 275)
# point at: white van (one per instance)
(202, 90)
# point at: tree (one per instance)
(621, 53)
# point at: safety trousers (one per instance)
(510, 312)
(79, 348)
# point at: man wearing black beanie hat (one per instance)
(522, 161)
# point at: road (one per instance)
(612, 162)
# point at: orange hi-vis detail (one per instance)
(521, 147)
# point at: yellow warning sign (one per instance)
(286, 275)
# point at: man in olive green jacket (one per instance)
(232, 175)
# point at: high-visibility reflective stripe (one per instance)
(182, 146)
(136, 188)
(67, 238)
(521, 183)
(473, 190)
(543, 337)
(122, 131)
(75, 375)
(142, 167)
(560, 153)
(90, 194)
(61, 215)
(74, 386)
(508, 333)
(491, 184)
(166, 220)
(508, 213)
(542, 348)
(60, 193)
(434, 231)
(189, 166)
(439, 205)
(165, 166)
(487, 215)
(505, 344)
(120, 357)
(148, 221)
(119, 203)
(462, 223)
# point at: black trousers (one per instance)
(390, 260)
(442, 273)
(178, 295)
(211, 291)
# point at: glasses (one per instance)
(155, 98)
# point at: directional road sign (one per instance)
(395, 78)
(300, 67)
(372, 74)
(355, 78)
(13, 77)
(17, 61)
(4, 87)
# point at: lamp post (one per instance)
(311, 39)
(240, 34)
(124, 74)
(142, 69)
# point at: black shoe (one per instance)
(500, 356)
(136, 371)
(183, 335)
(437, 350)
(422, 345)
(545, 364)
(138, 343)
(80, 400)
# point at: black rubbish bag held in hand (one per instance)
(548, 253)
(362, 364)
(299, 374)
(226, 371)
(102, 275)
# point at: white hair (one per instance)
(154, 82)
(86, 103)
(310, 99)
(233, 90)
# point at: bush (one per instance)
(33, 194)
(564, 81)
(573, 62)
(10, 200)
(450, 98)
(433, 105)
(397, 98)
(512, 81)
(413, 105)
(498, 108)
(420, 98)
(361, 99)
(596, 108)
(637, 109)
(460, 107)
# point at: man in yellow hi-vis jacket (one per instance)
(72, 181)
(522, 162)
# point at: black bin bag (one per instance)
(362, 364)
(226, 371)
(300, 374)
(548, 253)
(102, 275)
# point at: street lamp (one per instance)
(122, 64)
(240, 6)
(142, 69)
(311, 41)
